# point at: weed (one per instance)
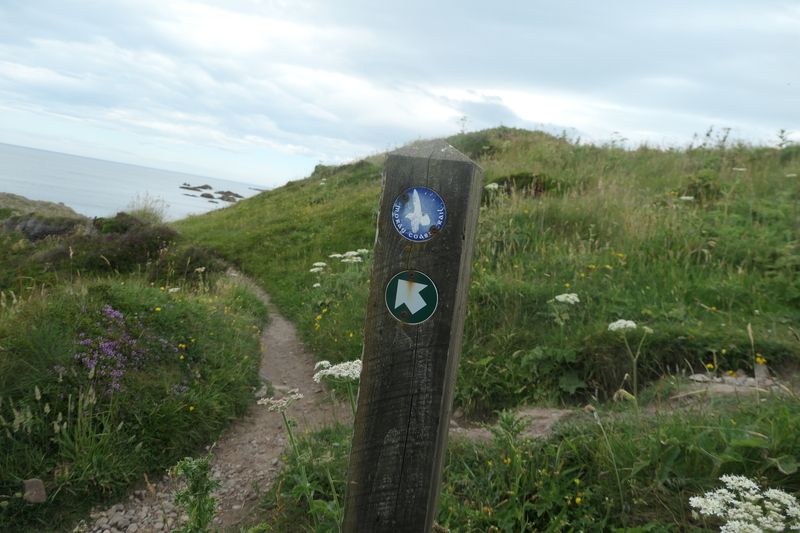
(196, 497)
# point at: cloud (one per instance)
(283, 85)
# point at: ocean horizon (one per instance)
(98, 188)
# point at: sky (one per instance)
(263, 90)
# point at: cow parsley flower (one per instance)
(319, 264)
(362, 251)
(349, 370)
(280, 405)
(316, 270)
(568, 298)
(744, 508)
(335, 256)
(622, 325)
(352, 259)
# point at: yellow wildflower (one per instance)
(157, 309)
(710, 366)
(191, 408)
(760, 360)
(578, 500)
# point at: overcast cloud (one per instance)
(261, 91)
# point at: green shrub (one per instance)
(103, 381)
(474, 144)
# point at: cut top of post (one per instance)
(431, 150)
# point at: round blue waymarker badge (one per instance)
(419, 214)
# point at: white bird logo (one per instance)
(417, 217)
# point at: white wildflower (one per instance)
(739, 483)
(316, 286)
(647, 330)
(568, 298)
(335, 256)
(200, 270)
(319, 264)
(354, 259)
(348, 370)
(737, 526)
(492, 186)
(351, 253)
(792, 175)
(322, 364)
(362, 251)
(621, 325)
(745, 508)
(687, 198)
(739, 169)
(173, 289)
(316, 270)
(787, 500)
(280, 405)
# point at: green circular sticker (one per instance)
(411, 297)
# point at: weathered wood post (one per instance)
(413, 331)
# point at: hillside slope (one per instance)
(700, 245)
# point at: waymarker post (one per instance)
(413, 333)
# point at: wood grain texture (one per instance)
(409, 371)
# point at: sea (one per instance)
(98, 188)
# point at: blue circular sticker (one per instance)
(419, 214)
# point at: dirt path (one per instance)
(247, 458)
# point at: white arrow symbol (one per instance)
(408, 293)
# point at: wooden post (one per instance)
(413, 332)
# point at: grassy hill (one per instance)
(11, 204)
(700, 245)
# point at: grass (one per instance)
(700, 245)
(611, 470)
(114, 368)
(695, 243)
(14, 204)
